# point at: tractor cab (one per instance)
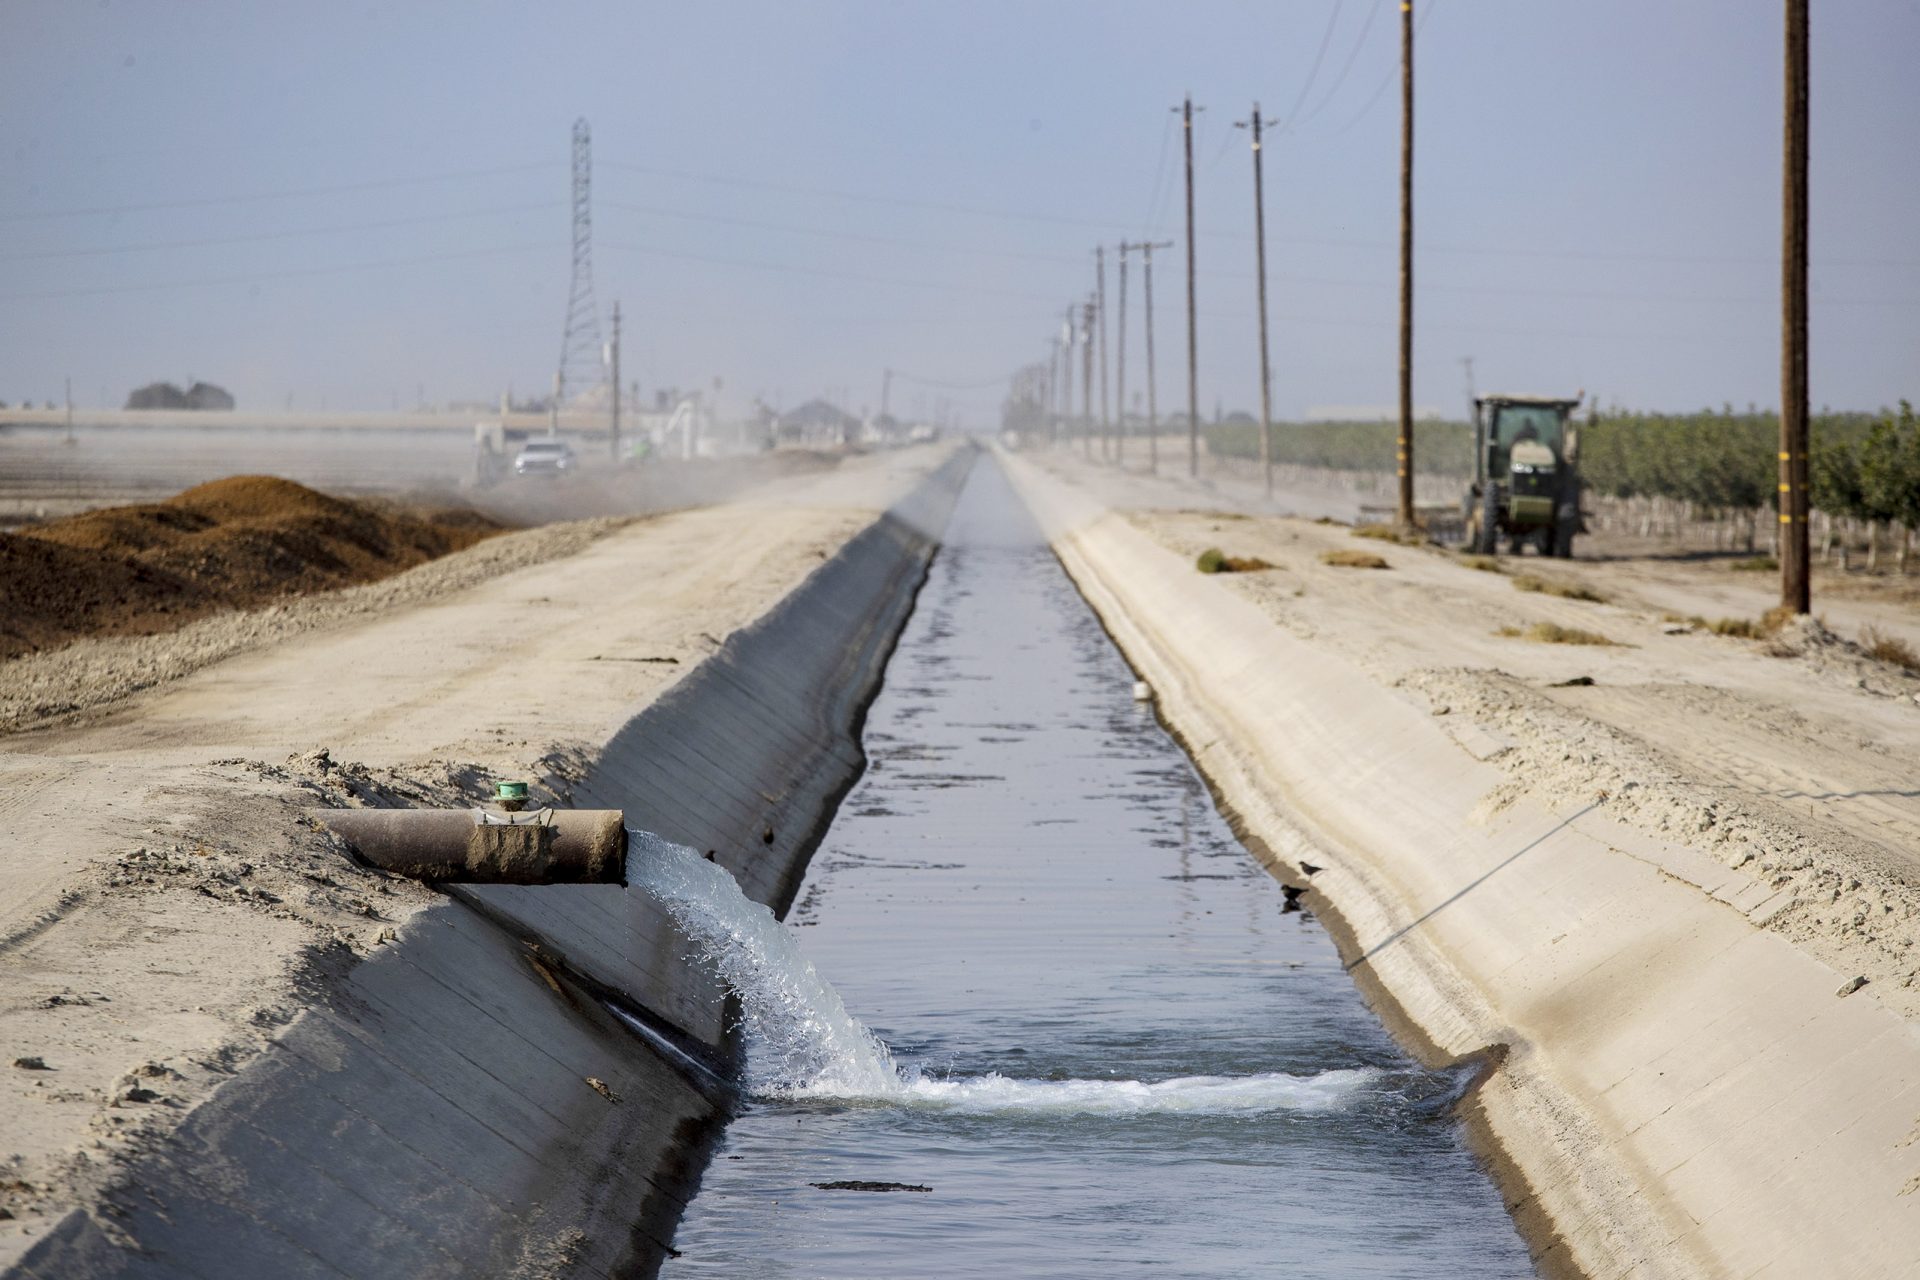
(1526, 475)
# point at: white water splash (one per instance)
(802, 1042)
(799, 1033)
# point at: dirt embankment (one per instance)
(229, 544)
(175, 913)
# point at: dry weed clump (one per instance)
(1886, 648)
(1756, 564)
(1738, 628)
(1214, 560)
(1554, 633)
(1391, 533)
(1485, 564)
(1352, 559)
(1775, 618)
(1565, 590)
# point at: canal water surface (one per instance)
(1119, 1052)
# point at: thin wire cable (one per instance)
(1170, 187)
(1226, 141)
(1353, 55)
(255, 277)
(1326, 38)
(1159, 174)
(222, 241)
(294, 194)
(945, 385)
(822, 272)
(1393, 73)
(861, 197)
(854, 236)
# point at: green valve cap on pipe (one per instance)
(511, 796)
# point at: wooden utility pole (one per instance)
(1100, 303)
(1146, 248)
(1053, 390)
(1796, 587)
(1066, 372)
(1193, 332)
(1260, 269)
(1086, 378)
(613, 368)
(1403, 460)
(1120, 367)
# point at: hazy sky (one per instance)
(361, 203)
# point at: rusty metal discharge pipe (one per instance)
(473, 846)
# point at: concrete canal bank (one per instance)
(519, 1082)
(1678, 1091)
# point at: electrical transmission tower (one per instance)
(581, 366)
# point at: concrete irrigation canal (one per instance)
(1002, 897)
(1110, 1031)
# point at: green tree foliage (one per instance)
(1864, 466)
(1836, 479)
(1718, 461)
(1889, 469)
(1441, 448)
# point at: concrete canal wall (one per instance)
(474, 1099)
(1678, 1092)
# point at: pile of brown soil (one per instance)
(229, 544)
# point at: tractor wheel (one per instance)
(1565, 525)
(1486, 540)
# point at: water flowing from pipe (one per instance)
(802, 1043)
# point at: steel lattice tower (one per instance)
(581, 366)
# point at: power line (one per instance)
(292, 194)
(1385, 81)
(945, 384)
(859, 237)
(1313, 74)
(1017, 216)
(1309, 241)
(1353, 55)
(223, 241)
(821, 272)
(1159, 174)
(257, 276)
(865, 198)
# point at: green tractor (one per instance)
(1526, 483)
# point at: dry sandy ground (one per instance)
(164, 909)
(1654, 573)
(1794, 759)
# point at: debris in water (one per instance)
(857, 1185)
(599, 1086)
(1142, 691)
